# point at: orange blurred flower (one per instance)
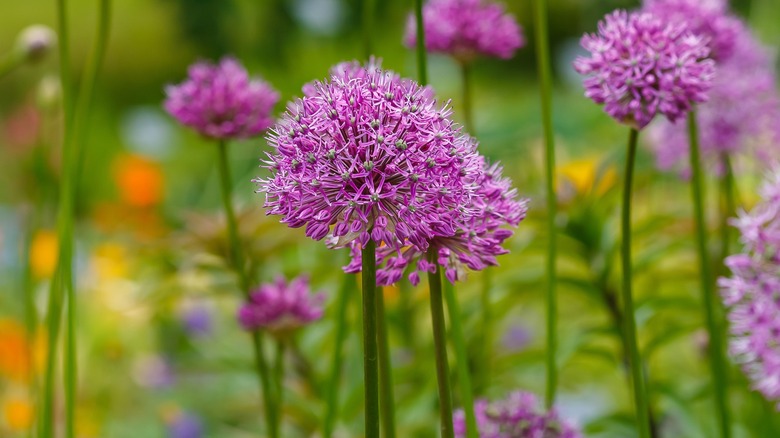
(15, 351)
(18, 414)
(139, 180)
(43, 253)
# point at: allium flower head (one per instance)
(709, 19)
(221, 101)
(517, 416)
(751, 294)
(281, 307)
(466, 29)
(35, 41)
(368, 155)
(741, 114)
(475, 244)
(640, 66)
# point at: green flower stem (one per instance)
(387, 402)
(338, 355)
(717, 360)
(237, 261)
(545, 89)
(462, 365)
(370, 366)
(486, 347)
(279, 381)
(440, 343)
(468, 113)
(422, 61)
(641, 403)
(368, 23)
(728, 210)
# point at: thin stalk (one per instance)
(545, 89)
(368, 23)
(728, 209)
(279, 381)
(486, 347)
(237, 261)
(422, 58)
(387, 402)
(468, 114)
(461, 364)
(641, 403)
(440, 343)
(370, 366)
(338, 355)
(717, 360)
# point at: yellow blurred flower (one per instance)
(43, 253)
(139, 180)
(86, 424)
(110, 261)
(18, 414)
(585, 176)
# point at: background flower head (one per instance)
(640, 66)
(372, 157)
(476, 243)
(466, 29)
(221, 101)
(752, 290)
(518, 416)
(281, 306)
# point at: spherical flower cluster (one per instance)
(34, 42)
(466, 29)
(751, 293)
(517, 416)
(221, 101)
(370, 156)
(741, 114)
(475, 244)
(640, 66)
(281, 307)
(707, 18)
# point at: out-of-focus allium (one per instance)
(375, 157)
(741, 115)
(281, 307)
(707, 18)
(185, 425)
(466, 29)
(751, 293)
(221, 101)
(518, 416)
(640, 66)
(475, 244)
(35, 41)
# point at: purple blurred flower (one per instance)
(197, 320)
(374, 156)
(280, 307)
(185, 425)
(518, 416)
(741, 114)
(751, 294)
(155, 372)
(221, 101)
(640, 67)
(475, 244)
(709, 19)
(516, 339)
(466, 29)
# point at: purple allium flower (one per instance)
(466, 29)
(475, 244)
(185, 425)
(518, 416)
(709, 19)
(221, 101)
(741, 114)
(281, 307)
(373, 156)
(640, 66)
(197, 320)
(751, 294)
(516, 338)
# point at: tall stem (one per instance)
(635, 361)
(462, 365)
(370, 366)
(717, 361)
(486, 349)
(387, 402)
(279, 381)
(368, 22)
(468, 115)
(237, 261)
(440, 343)
(422, 61)
(545, 88)
(728, 209)
(335, 371)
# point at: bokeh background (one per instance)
(160, 351)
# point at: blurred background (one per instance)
(160, 352)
